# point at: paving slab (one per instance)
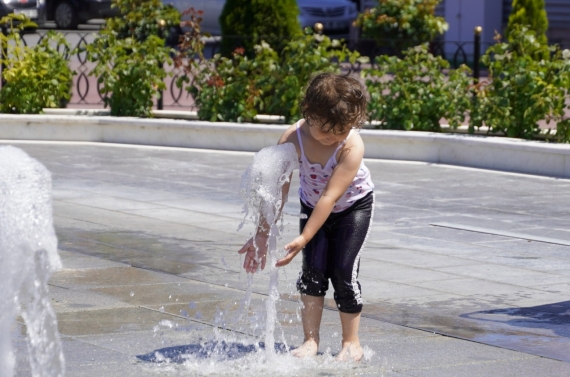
(141, 227)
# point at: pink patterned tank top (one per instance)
(314, 178)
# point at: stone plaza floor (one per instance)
(466, 272)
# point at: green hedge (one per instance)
(412, 92)
(35, 77)
(245, 23)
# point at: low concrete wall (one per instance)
(465, 150)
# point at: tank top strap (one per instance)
(341, 144)
(299, 138)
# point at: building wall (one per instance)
(463, 15)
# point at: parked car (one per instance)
(335, 15)
(33, 9)
(67, 14)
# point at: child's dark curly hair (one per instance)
(339, 101)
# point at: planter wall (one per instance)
(495, 153)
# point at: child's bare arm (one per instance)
(264, 227)
(255, 248)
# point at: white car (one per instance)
(335, 15)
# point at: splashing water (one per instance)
(236, 350)
(28, 256)
(261, 188)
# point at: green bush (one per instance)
(521, 90)
(401, 24)
(226, 89)
(239, 88)
(141, 19)
(418, 94)
(130, 56)
(563, 131)
(532, 14)
(300, 60)
(35, 77)
(130, 72)
(245, 23)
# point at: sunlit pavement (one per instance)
(148, 238)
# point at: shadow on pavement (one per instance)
(542, 329)
(220, 351)
(542, 316)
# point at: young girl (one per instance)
(337, 196)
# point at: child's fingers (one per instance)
(245, 247)
(287, 258)
(284, 261)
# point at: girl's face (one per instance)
(325, 138)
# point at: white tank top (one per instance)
(314, 178)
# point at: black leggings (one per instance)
(334, 253)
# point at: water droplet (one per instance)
(132, 293)
(170, 296)
(161, 309)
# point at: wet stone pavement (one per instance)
(466, 272)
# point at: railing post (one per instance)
(3, 53)
(318, 28)
(477, 54)
(159, 100)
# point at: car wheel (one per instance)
(65, 15)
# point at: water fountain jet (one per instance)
(28, 256)
(261, 188)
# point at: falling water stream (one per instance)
(28, 256)
(261, 188)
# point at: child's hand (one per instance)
(293, 249)
(252, 262)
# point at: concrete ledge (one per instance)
(168, 114)
(487, 152)
(495, 153)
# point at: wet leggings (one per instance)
(334, 253)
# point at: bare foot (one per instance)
(308, 349)
(350, 352)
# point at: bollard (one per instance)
(477, 54)
(318, 28)
(159, 100)
(3, 54)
